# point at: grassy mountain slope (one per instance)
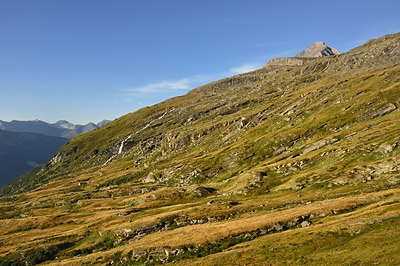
(299, 165)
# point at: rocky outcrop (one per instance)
(286, 62)
(318, 49)
(161, 255)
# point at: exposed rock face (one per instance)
(318, 49)
(285, 62)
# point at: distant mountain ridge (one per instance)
(61, 128)
(25, 145)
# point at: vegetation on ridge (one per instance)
(283, 166)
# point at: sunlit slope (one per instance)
(250, 120)
(289, 166)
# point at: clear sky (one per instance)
(89, 60)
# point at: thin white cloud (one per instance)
(243, 68)
(157, 91)
(168, 85)
(258, 62)
(185, 84)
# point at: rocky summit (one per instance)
(296, 164)
(318, 49)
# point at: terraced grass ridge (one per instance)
(285, 165)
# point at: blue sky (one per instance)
(89, 60)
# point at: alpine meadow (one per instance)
(296, 163)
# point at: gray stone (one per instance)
(305, 224)
(386, 148)
(285, 62)
(318, 49)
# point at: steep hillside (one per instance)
(21, 152)
(297, 163)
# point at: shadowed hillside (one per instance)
(21, 152)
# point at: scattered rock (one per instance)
(386, 148)
(342, 181)
(149, 179)
(384, 109)
(318, 145)
(305, 224)
(201, 191)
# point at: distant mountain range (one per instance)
(25, 145)
(61, 128)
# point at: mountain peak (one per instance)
(318, 44)
(318, 49)
(65, 124)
